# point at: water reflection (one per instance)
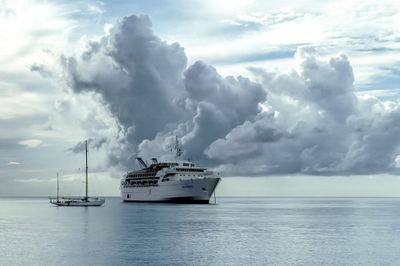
(237, 231)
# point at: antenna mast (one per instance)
(177, 148)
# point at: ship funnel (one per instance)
(154, 160)
(141, 162)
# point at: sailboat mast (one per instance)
(58, 189)
(86, 143)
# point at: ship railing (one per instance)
(140, 185)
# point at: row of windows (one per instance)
(141, 175)
(134, 181)
(189, 170)
(141, 183)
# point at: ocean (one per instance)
(235, 231)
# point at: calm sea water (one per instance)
(236, 231)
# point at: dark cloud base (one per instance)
(312, 121)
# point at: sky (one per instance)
(281, 98)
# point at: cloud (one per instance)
(5, 10)
(13, 163)
(146, 86)
(31, 143)
(317, 125)
(216, 104)
(221, 104)
(17, 103)
(92, 144)
(313, 120)
(41, 69)
(139, 77)
(31, 180)
(350, 28)
(271, 18)
(96, 9)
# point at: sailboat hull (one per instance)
(91, 202)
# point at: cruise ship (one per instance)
(175, 181)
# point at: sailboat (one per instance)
(77, 201)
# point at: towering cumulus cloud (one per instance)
(315, 124)
(312, 122)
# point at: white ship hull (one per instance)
(183, 191)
